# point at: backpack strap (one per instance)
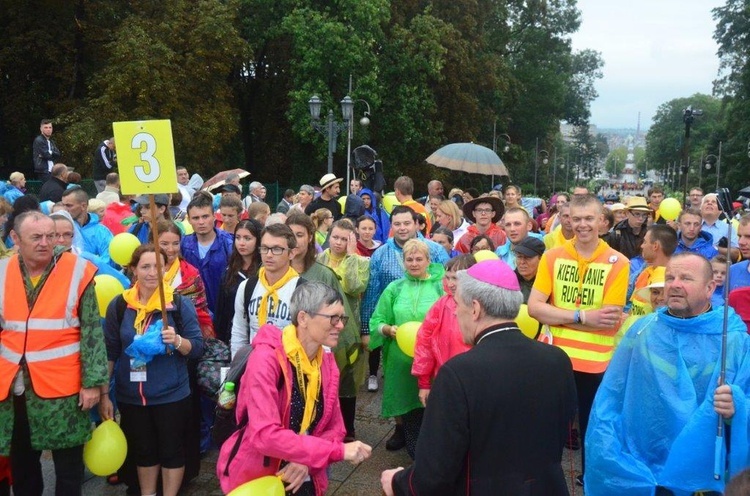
(120, 307)
(249, 288)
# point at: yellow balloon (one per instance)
(187, 228)
(406, 337)
(529, 326)
(122, 246)
(670, 209)
(106, 288)
(390, 201)
(483, 255)
(269, 485)
(342, 202)
(105, 453)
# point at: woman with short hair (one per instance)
(288, 401)
(404, 300)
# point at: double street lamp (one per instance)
(545, 161)
(331, 127)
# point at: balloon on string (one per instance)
(390, 201)
(670, 208)
(483, 255)
(269, 485)
(122, 246)
(105, 453)
(406, 336)
(106, 288)
(529, 325)
(342, 202)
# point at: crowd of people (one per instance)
(628, 310)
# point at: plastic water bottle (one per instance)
(227, 397)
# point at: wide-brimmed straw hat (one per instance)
(497, 206)
(638, 203)
(329, 180)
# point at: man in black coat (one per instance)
(104, 162)
(44, 151)
(54, 187)
(627, 236)
(498, 415)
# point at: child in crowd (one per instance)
(719, 266)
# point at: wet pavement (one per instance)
(345, 479)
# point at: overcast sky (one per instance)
(653, 51)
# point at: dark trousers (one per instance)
(348, 410)
(374, 361)
(26, 467)
(586, 387)
(412, 423)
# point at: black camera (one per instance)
(725, 201)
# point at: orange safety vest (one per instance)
(47, 336)
(589, 351)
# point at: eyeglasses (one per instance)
(65, 235)
(335, 319)
(276, 250)
(638, 215)
(483, 211)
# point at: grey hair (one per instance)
(255, 185)
(307, 189)
(277, 218)
(499, 303)
(310, 297)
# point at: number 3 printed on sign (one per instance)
(147, 156)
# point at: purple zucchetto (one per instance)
(495, 272)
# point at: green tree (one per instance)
(666, 138)
(733, 85)
(167, 60)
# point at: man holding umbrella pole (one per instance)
(653, 425)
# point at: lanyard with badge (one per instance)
(138, 374)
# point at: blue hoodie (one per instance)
(212, 266)
(97, 238)
(378, 214)
(703, 245)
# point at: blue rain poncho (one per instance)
(146, 346)
(653, 421)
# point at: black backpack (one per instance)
(225, 420)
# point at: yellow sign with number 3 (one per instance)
(145, 157)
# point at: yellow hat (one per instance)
(655, 280)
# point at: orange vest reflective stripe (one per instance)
(48, 335)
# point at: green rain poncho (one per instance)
(350, 357)
(404, 300)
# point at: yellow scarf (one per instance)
(302, 365)
(141, 310)
(172, 272)
(271, 292)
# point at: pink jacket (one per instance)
(438, 340)
(267, 440)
